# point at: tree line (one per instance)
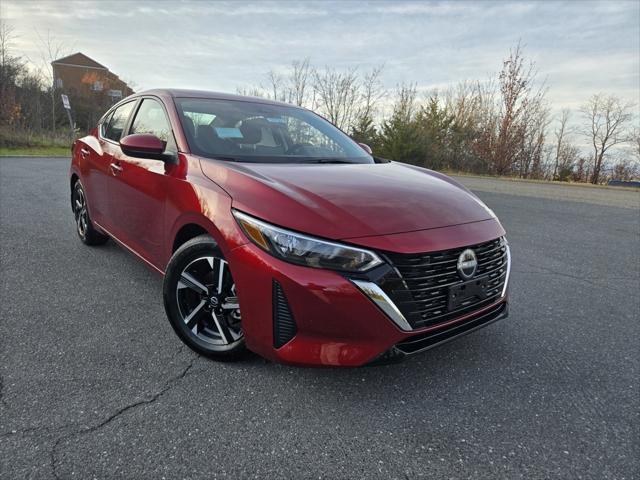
(500, 126)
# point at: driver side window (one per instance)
(151, 119)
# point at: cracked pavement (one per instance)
(94, 383)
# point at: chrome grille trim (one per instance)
(422, 295)
(384, 303)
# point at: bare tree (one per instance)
(20, 91)
(523, 114)
(291, 86)
(471, 104)
(569, 157)
(6, 40)
(7, 73)
(606, 117)
(625, 169)
(512, 133)
(514, 80)
(535, 120)
(337, 95)
(465, 102)
(298, 81)
(372, 93)
(346, 98)
(51, 50)
(363, 128)
(635, 141)
(276, 86)
(561, 134)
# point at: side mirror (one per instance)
(143, 145)
(366, 148)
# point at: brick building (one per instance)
(81, 76)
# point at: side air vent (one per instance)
(284, 325)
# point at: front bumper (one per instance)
(336, 322)
(431, 339)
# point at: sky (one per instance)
(580, 48)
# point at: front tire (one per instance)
(84, 227)
(201, 302)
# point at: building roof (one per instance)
(80, 60)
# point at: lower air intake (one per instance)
(284, 325)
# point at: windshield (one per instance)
(255, 132)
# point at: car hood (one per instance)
(343, 201)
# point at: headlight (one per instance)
(303, 250)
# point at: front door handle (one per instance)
(115, 168)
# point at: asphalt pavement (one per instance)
(94, 383)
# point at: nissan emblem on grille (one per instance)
(467, 264)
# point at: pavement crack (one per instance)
(23, 431)
(93, 428)
(547, 270)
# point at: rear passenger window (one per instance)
(118, 121)
(152, 119)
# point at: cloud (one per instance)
(580, 47)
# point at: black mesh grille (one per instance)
(423, 296)
(284, 325)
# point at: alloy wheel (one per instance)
(80, 211)
(207, 301)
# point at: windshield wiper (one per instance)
(329, 160)
(227, 159)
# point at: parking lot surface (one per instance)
(94, 383)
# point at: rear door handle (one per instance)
(115, 168)
(84, 152)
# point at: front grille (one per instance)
(423, 294)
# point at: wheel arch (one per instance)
(186, 233)
(190, 225)
(74, 178)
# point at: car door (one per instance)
(139, 188)
(94, 166)
(108, 137)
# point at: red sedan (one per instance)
(276, 232)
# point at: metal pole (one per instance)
(70, 119)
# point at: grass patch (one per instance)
(35, 151)
(23, 142)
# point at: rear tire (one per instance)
(84, 227)
(201, 302)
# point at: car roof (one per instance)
(183, 93)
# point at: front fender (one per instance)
(209, 209)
